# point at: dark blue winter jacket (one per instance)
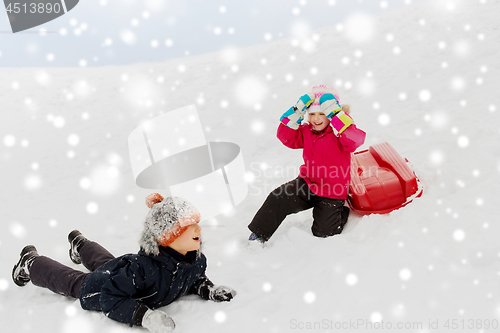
(125, 287)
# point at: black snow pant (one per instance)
(329, 215)
(64, 280)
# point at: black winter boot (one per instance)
(76, 240)
(21, 271)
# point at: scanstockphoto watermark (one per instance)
(364, 324)
(358, 324)
(26, 14)
(265, 177)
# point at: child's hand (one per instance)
(221, 294)
(294, 116)
(304, 102)
(157, 322)
(329, 105)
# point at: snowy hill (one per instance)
(424, 78)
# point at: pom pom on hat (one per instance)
(319, 91)
(167, 219)
(152, 199)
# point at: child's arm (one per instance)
(342, 123)
(289, 137)
(352, 138)
(121, 294)
(208, 291)
(288, 130)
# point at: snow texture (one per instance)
(425, 80)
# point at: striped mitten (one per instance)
(329, 105)
(340, 122)
(294, 116)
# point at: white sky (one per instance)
(113, 32)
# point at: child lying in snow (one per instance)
(323, 183)
(129, 288)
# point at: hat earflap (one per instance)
(149, 242)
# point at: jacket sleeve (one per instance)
(351, 138)
(121, 294)
(202, 287)
(291, 138)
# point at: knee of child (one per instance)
(326, 233)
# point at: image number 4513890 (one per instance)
(26, 14)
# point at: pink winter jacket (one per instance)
(327, 158)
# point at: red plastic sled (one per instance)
(381, 181)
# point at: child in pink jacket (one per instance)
(323, 182)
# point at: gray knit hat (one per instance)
(167, 219)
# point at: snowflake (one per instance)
(309, 297)
(459, 235)
(360, 28)
(92, 208)
(351, 279)
(220, 316)
(405, 274)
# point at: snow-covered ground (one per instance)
(426, 81)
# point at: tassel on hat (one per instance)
(167, 219)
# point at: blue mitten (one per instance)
(294, 116)
(329, 105)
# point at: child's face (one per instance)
(318, 120)
(189, 240)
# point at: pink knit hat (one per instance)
(319, 91)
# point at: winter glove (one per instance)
(332, 109)
(329, 105)
(294, 116)
(221, 294)
(157, 322)
(340, 122)
(208, 291)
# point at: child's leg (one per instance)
(329, 216)
(48, 273)
(94, 255)
(289, 198)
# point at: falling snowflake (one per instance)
(9, 140)
(360, 28)
(250, 90)
(458, 84)
(376, 317)
(128, 37)
(32, 182)
(405, 274)
(4, 285)
(439, 120)
(220, 316)
(424, 95)
(459, 235)
(463, 141)
(92, 208)
(436, 157)
(384, 119)
(17, 230)
(309, 297)
(351, 279)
